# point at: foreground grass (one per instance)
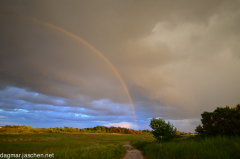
(195, 147)
(69, 146)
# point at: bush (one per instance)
(162, 130)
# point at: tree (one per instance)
(71, 129)
(222, 121)
(103, 129)
(162, 130)
(56, 129)
(97, 129)
(199, 130)
(65, 129)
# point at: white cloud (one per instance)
(121, 124)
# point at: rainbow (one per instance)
(83, 42)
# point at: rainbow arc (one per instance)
(83, 42)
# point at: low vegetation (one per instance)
(192, 147)
(70, 145)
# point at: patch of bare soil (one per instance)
(132, 153)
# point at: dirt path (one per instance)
(132, 153)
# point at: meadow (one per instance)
(192, 147)
(73, 145)
(70, 145)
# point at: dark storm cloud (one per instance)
(178, 58)
(15, 98)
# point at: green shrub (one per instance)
(162, 130)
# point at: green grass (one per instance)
(194, 147)
(109, 146)
(69, 146)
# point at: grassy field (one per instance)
(109, 146)
(69, 145)
(193, 147)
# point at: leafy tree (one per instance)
(65, 129)
(83, 130)
(50, 130)
(97, 128)
(162, 130)
(76, 130)
(103, 129)
(199, 130)
(56, 129)
(71, 129)
(222, 121)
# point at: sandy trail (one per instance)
(132, 153)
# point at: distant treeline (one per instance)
(97, 129)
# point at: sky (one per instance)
(117, 62)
